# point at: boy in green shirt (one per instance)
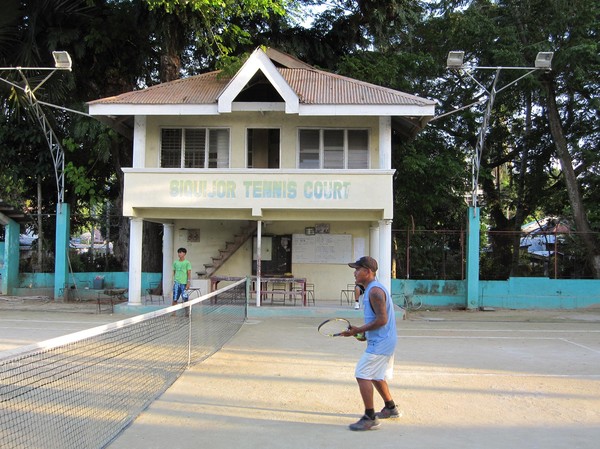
(182, 273)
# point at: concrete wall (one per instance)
(329, 279)
(515, 293)
(33, 284)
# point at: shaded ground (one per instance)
(462, 380)
(498, 379)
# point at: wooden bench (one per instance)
(110, 297)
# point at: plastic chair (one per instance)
(278, 287)
(347, 294)
(155, 289)
(310, 293)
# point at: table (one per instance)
(292, 287)
(282, 288)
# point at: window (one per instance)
(333, 148)
(194, 148)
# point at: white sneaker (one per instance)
(356, 306)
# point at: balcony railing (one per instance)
(259, 191)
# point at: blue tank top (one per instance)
(382, 340)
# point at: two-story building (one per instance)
(282, 168)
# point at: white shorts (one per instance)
(375, 367)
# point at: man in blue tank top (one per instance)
(376, 365)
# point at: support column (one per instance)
(167, 265)
(10, 256)
(61, 258)
(374, 242)
(139, 141)
(385, 254)
(258, 261)
(473, 258)
(136, 229)
(385, 143)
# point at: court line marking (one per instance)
(580, 345)
(6, 320)
(484, 337)
(401, 372)
(546, 331)
(43, 328)
(479, 337)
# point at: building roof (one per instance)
(9, 211)
(199, 89)
(312, 86)
(270, 80)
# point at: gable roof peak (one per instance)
(259, 60)
(284, 59)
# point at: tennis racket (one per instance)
(333, 327)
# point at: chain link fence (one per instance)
(441, 254)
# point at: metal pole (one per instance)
(258, 261)
(481, 138)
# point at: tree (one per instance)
(518, 175)
(203, 28)
(116, 46)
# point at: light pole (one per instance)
(455, 61)
(62, 61)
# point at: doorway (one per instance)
(263, 147)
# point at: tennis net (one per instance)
(81, 390)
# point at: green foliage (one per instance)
(118, 46)
(12, 189)
(86, 262)
(83, 185)
(228, 8)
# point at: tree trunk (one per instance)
(562, 151)
(152, 247)
(120, 150)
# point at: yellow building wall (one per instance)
(238, 123)
(218, 221)
(329, 279)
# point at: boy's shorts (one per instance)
(179, 291)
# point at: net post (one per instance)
(189, 363)
(247, 296)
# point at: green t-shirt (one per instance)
(181, 269)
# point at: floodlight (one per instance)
(455, 59)
(62, 60)
(543, 60)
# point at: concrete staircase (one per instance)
(241, 237)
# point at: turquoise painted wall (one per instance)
(515, 293)
(43, 283)
(2, 268)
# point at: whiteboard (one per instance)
(322, 248)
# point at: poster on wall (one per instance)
(276, 255)
(322, 248)
(359, 248)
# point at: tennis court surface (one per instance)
(501, 379)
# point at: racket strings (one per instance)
(334, 327)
